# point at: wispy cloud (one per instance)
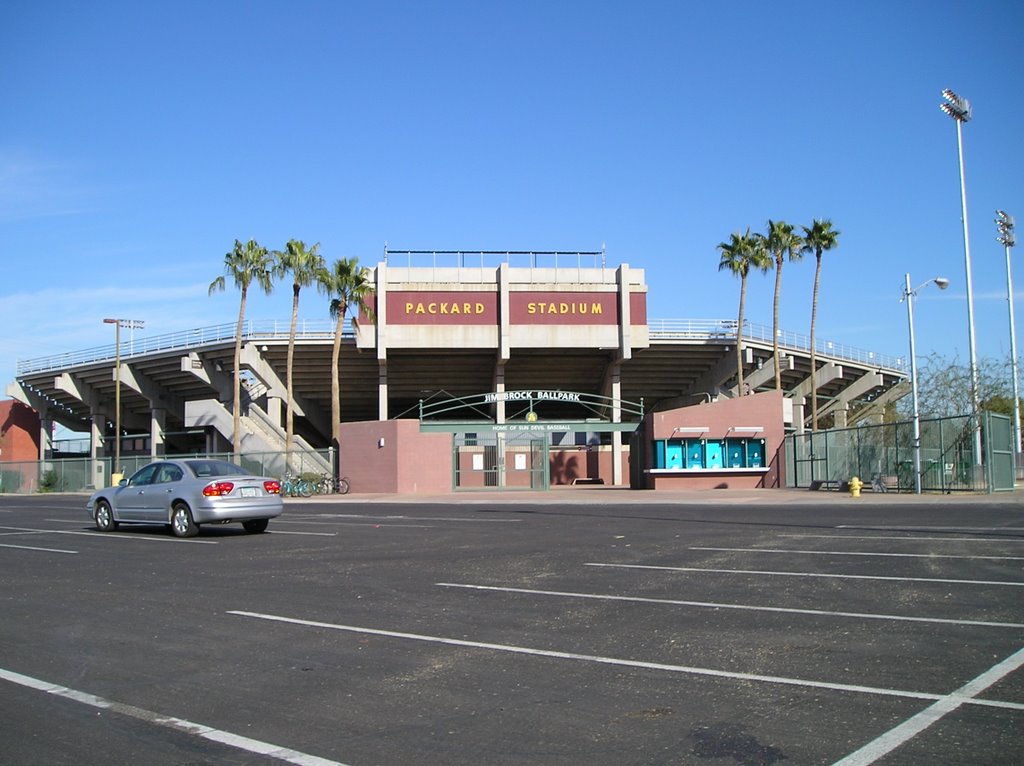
(33, 188)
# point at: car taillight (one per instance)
(218, 488)
(272, 487)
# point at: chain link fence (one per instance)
(882, 456)
(86, 474)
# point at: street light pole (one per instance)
(908, 296)
(959, 109)
(1005, 224)
(118, 324)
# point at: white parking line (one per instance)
(897, 538)
(109, 536)
(33, 548)
(910, 728)
(860, 553)
(400, 517)
(901, 528)
(773, 572)
(357, 524)
(180, 724)
(308, 534)
(800, 682)
(744, 607)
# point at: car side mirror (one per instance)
(123, 483)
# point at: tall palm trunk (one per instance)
(236, 400)
(814, 356)
(335, 382)
(739, 336)
(775, 323)
(290, 415)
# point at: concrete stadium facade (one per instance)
(449, 332)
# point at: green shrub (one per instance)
(48, 481)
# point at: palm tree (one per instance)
(817, 239)
(245, 264)
(780, 242)
(349, 287)
(306, 267)
(739, 254)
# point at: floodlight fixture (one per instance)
(957, 107)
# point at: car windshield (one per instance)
(204, 469)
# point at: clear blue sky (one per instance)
(138, 140)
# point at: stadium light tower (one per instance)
(132, 324)
(908, 296)
(1004, 223)
(959, 109)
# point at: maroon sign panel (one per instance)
(442, 308)
(562, 308)
(437, 307)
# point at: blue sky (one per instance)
(139, 140)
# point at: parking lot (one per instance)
(596, 628)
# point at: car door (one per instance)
(132, 498)
(162, 491)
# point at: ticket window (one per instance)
(674, 455)
(755, 453)
(713, 454)
(734, 450)
(694, 454)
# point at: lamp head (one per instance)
(957, 107)
(941, 282)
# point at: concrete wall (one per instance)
(19, 431)
(409, 462)
(727, 418)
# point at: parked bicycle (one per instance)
(329, 484)
(295, 486)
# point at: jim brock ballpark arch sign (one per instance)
(517, 451)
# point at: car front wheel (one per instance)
(105, 517)
(182, 523)
(255, 526)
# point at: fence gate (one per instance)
(999, 452)
(489, 460)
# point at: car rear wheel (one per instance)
(182, 523)
(255, 526)
(105, 517)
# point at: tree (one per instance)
(245, 264)
(781, 243)
(349, 287)
(306, 267)
(739, 254)
(944, 387)
(817, 239)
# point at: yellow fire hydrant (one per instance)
(855, 485)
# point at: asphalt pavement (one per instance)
(590, 626)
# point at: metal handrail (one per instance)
(323, 329)
(709, 329)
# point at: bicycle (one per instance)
(331, 485)
(295, 486)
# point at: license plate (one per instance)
(249, 492)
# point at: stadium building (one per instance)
(475, 370)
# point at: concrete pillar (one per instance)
(275, 406)
(616, 389)
(798, 414)
(839, 413)
(45, 437)
(157, 423)
(99, 474)
(382, 390)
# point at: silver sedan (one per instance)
(186, 493)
